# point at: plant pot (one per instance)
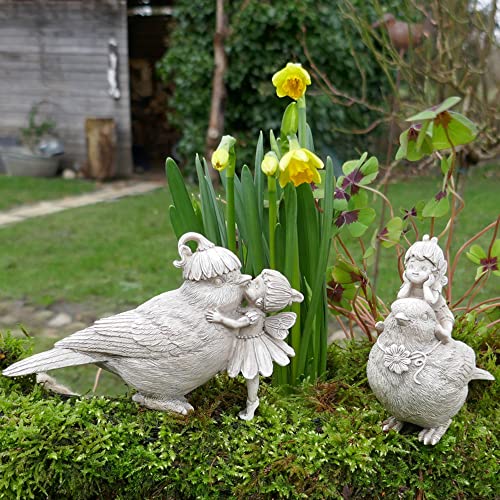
(19, 163)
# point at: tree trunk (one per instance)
(216, 121)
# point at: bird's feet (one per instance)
(249, 412)
(392, 423)
(176, 405)
(434, 434)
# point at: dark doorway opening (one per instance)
(152, 137)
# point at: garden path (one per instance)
(108, 193)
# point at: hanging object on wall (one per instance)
(114, 86)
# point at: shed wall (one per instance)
(57, 51)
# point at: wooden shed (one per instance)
(59, 52)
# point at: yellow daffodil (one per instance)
(292, 81)
(270, 163)
(299, 165)
(220, 159)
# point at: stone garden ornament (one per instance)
(417, 371)
(177, 341)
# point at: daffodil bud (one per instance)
(220, 159)
(290, 121)
(270, 163)
(222, 155)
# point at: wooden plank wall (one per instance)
(57, 51)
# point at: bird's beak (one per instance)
(402, 319)
(244, 279)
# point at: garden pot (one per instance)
(22, 163)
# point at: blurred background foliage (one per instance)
(364, 84)
(263, 37)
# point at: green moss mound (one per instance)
(322, 441)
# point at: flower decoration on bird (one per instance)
(397, 358)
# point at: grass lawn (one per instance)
(113, 256)
(119, 254)
(19, 190)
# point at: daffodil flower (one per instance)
(292, 81)
(299, 165)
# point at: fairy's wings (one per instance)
(277, 326)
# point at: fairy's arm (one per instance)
(235, 324)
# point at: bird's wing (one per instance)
(277, 326)
(459, 364)
(119, 335)
(137, 334)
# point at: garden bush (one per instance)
(318, 441)
(264, 36)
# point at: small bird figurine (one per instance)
(417, 377)
(164, 348)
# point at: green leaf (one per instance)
(391, 233)
(422, 135)
(365, 218)
(186, 218)
(460, 131)
(408, 147)
(219, 213)
(436, 207)
(308, 222)
(274, 145)
(259, 177)
(207, 208)
(254, 241)
(475, 254)
(351, 165)
(445, 165)
(495, 248)
(431, 113)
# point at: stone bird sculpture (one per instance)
(164, 348)
(417, 377)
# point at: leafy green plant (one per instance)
(435, 132)
(289, 230)
(36, 130)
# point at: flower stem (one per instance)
(301, 105)
(271, 187)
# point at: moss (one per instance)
(321, 441)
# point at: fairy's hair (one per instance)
(428, 249)
(279, 293)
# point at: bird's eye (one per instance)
(218, 281)
(425, 316)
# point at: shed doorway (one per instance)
(152, 137)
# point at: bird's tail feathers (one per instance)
(479, 374)
(49, 360)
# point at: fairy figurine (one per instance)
(260, 338)
(424, 278)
